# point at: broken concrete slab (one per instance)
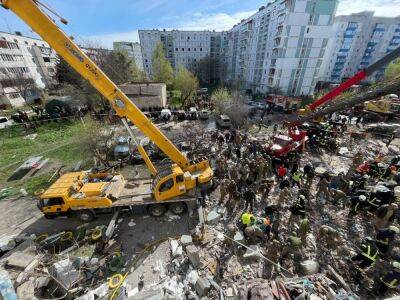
(26, 290)
(213, 217)
(7, 243)
(193, 255)
(65, 272)
(186, 240)
(309, 267)
(252, 253)
(239, 237)
(202, 286)
(20, 260)
(157, 294)
(176, 249)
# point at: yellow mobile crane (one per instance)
(78, 191)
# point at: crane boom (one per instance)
(31, 14)
(356, 78)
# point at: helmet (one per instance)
(302, 197)
(362, 197)
(396, 264)
(394, 228)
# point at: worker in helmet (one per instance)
(357, 203)
(390, 280)
(368, 255)
(385, 237)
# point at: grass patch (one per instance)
(14, 147)
(36, 183)
(61, 142)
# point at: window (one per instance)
(183, 49)
(176, 49)
(165, 186)
(53, 201)
(180, 178)
(188, 49)
(201, 49)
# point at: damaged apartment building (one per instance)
(27, 67)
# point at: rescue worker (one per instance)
(385, 215)
(329, 235)
(390, 280)
(385, 237)
(373, 203)
(309, 171)
(323, 187)
(368, 256)
(247, 219)
(296, 179)
(265, 188)
(299, 207)
(282, 170)
(357, 160)
(249, 197)
(304, 229)
(284, 196)
(357, 203)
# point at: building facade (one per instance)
(358, 41)
(183, 48)
(134, 51)
(27, 66)
(281, 47)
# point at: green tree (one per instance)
(187, 83)
(161, 67)
(393, 70)
(221, 94)
(115, 64)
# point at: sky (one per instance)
(100, 22)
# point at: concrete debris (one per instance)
(309, 267)
(7, 243)
(192, 253)
(20, 260)
(253, 253)
(65, 273)
(176, 249)
(202, 286)
(192, 277)
(186, 240)
(26, 290)
(213, 217)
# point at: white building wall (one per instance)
(33, 57)
(358, 41)
(134, 51)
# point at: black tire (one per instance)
(50, 217)
(157, 210)
(85, 215)
(178, 208)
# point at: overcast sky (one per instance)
(102, 22)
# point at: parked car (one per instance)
(122, 149)
(204, 114)
(223, 121)
(166, 114)
(5, 122)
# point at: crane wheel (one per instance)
(41, 238)
(66, 236)
(115, 281)
(178, 208)
(157, 210)
(85, 215)
(96, 234)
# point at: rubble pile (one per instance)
(283, 219)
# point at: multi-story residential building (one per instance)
(27, 65)
(281, 47)
(134, 51)
(186, 48)
(359, 40)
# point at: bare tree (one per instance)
(19, 81)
